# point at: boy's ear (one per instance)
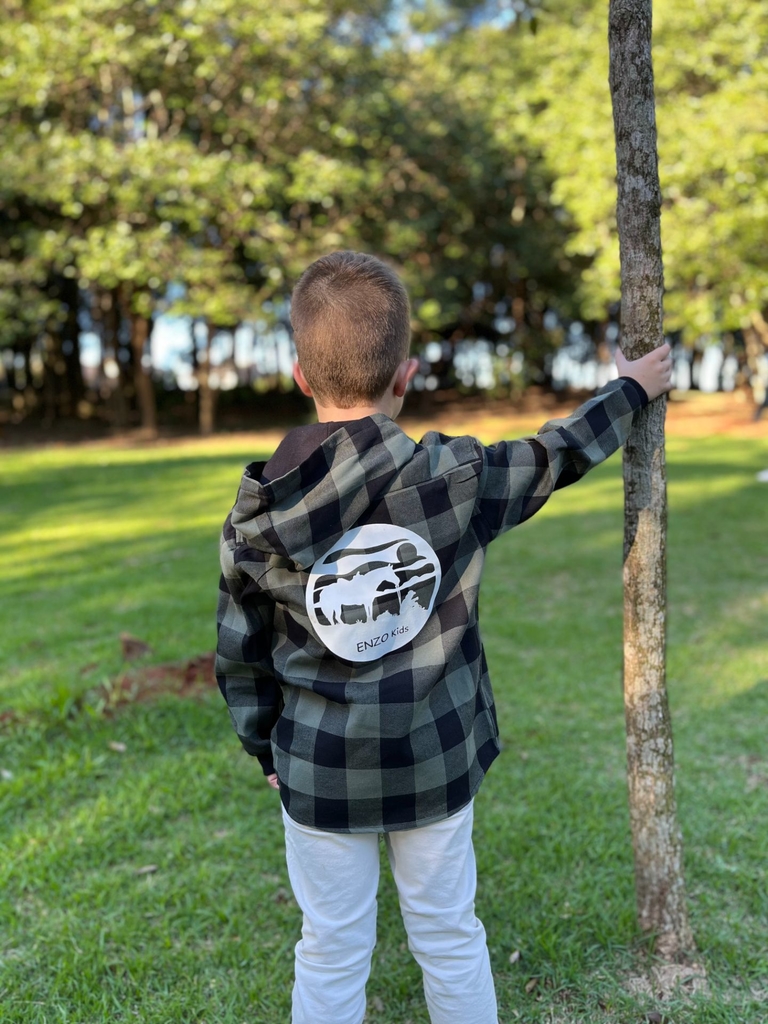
(404, 374)
(301, 380)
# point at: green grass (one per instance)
(97, 541)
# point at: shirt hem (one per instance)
(407, 826)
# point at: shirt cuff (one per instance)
(267, 764)
(642, 394)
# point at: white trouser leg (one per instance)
(434, 868)
(334, 878)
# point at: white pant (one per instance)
(335, 876)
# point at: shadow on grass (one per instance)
(118, 483)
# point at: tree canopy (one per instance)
(193, 157)
(711, 77)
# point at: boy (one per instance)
(349, 651)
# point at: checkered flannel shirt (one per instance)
(404, 740)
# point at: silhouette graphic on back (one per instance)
(373, 592)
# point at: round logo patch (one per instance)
(373, 592)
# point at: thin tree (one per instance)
(142, 381)
(653, 813)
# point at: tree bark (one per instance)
(206, 394)
(142, 381)
(656, 835)
(57, 404)
(756, 345)
(117, 402)
(49, 383)
(70, 293)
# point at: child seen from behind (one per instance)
(349, 649)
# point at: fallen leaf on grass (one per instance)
(377, 1004)
(531, 985)
(514, 957)
(148, 869)
(119, 748)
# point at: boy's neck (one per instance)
(387, 404)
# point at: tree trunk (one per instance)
(117, 400)
(57, 403)
(206, 394)
(756, 345)
(653, 814)
(70, 293)
(142, 382)
(50, 413)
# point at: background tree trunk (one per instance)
(50, 404)
(117, 403)
(70, 294)
(206, 394)
(57, 403)
(653, 814)
(142, 381)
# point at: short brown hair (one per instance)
(351, 322)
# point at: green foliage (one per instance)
(148, 134)
(712, 105)
(142, 136)
(222, 146)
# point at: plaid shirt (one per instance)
(406, 738)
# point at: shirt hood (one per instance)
(300, 515)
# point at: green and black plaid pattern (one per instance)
(406, 739)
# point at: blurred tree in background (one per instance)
(191, 158)
(712, 101)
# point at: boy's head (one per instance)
(351, 322)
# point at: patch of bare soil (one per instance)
(189, 678)
(699, 415)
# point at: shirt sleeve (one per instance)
(517, 477)
(243, 666)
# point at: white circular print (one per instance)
(373, 592)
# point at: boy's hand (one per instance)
(652, 371)
(272, 780)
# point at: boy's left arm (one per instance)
(244, 669)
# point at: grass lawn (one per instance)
(144, 881)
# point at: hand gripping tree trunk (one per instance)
(653, 814)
